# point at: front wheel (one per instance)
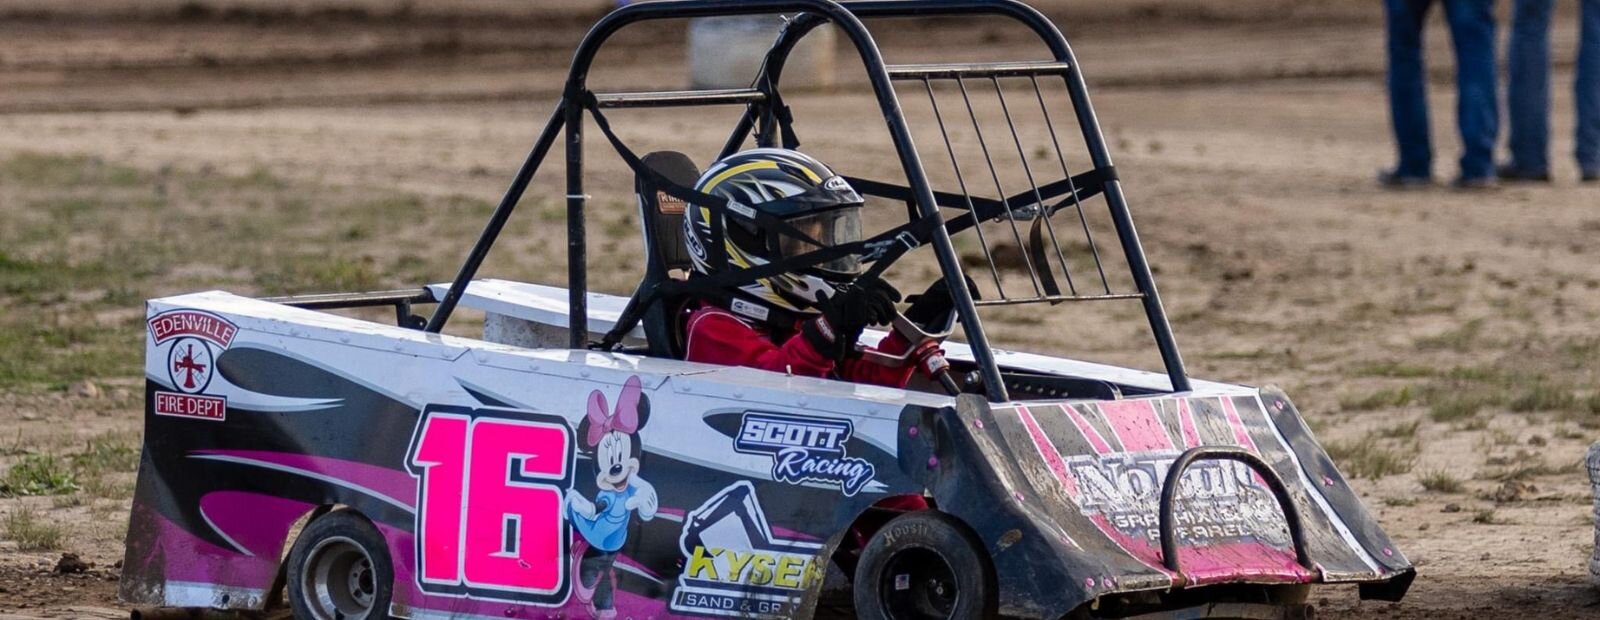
(924, 565)
(339, 569)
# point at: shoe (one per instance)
(1511, 173)
(1592, 176)
(1392, 179)
(1476, 183)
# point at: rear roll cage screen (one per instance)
(847, 17)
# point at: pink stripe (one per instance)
(1136, 425)
(1052, 458)
(1239, 434)
(1099, 443)
(1191, 435)
(1047, 450)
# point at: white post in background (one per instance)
(726, 52)
(1594, 477)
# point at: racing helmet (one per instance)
(796, 189)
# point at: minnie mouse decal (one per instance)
(612, 440)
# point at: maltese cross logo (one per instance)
(189, 365)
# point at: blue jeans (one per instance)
(1477, 111)
(1528, 97)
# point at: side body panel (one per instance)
(544, 480)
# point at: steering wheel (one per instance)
(924, 352)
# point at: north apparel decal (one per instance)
(190, 341)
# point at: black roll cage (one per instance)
(763, 119)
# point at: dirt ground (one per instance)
(1440, 343)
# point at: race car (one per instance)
(570, 464)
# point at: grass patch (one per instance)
(1441, 481)
(107, 487)
(107, 453)
(38, 474)
(39, 170)
(317, 274)
(1458, 340)
(1392, 370)
(1454, 409)
(1543, 397)
(1521, 466)
(67, 350)
(1257, 354)
(24, 526)
(1397, 502)
(1382, 399)
(1404, 430)
(1500, 437)
(1372, 459)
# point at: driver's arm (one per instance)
(718, 337)
(862, 371)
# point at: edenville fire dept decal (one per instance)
(193, 339)
(805, 449)
(735, 565)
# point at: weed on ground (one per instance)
(31, 530)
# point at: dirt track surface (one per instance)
(1248, 147)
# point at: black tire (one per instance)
(924, 565)
(339, 569)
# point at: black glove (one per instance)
(852, 307)
(932, 309)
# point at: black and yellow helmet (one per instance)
(795, 188)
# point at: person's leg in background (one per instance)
(1528, 94)
(1408, 93)
(1588, 92)
(1477, 107)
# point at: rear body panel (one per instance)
(1079, 490)
(259, 416)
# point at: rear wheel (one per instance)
(924, 565)
(339, 569)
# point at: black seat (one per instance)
(665, 251)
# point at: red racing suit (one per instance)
(716, 336)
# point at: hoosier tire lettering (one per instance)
(925, 564)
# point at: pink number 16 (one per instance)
(489, 521)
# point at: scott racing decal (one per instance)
(805, 449)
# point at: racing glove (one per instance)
(852, 307)
(933, 309)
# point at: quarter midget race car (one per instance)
(571, 464)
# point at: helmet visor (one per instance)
(830, 228)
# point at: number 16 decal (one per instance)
(489, 503)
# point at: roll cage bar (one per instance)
(765, 119)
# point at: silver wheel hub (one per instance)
(339, 583)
